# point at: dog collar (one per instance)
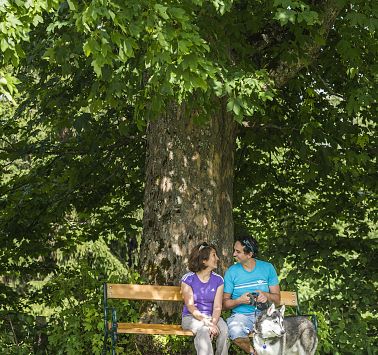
(260, 335)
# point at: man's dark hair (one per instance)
(198, 255)
(249, 244)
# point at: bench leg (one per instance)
(114, 343)
(106, 329)
(105, 346)
(114, 331)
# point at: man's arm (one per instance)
(228, 303)
(273, 296)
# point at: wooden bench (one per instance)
(153, 293)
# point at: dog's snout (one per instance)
(283, 332)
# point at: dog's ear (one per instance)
(282, 310)
(271, 309)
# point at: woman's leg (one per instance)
(222, 339)
(202, 341)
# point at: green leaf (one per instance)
(91, 46)
(72, 5)
(162, 10)
(177, 12)
(183, 46)
(3, 45)
(97, 66)
(37, 19)
(49, 54)
(310, 17)
(285, 16)
(198, 82)
(230, 105)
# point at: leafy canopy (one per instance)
(80, 79)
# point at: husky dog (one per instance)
(291, 336)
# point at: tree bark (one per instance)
(188, 191)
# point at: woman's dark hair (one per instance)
(249, 244)
(198, 255)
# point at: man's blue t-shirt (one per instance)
(238, 281)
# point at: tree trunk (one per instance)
(188, 192)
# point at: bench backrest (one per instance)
(169, 293)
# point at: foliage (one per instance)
(329, 242)
(71, 300)
(17, 336)
(79, 81)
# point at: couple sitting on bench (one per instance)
(246, 284)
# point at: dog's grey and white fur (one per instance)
(290, 336)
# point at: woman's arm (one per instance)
(217, 306)
(187, 294)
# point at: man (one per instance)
(241, 279)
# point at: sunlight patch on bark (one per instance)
(183, 187)
(201, 220)
(197, 159)
(166, 184)
(176, 249)
(210, 169)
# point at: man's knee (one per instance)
(237, 331)
(239, 326)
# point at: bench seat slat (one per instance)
(144, 292)
(140, 328)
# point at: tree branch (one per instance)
(286, 71)
(13, 331)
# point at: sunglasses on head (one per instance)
(203, 245)
(248, 245)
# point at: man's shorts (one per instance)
(240, 325)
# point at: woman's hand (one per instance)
(213, 328)
(214, 331)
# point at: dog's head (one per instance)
(269, 324)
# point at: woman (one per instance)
(202, 290)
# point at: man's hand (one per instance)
(262, 297)
(244, 298)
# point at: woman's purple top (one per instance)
(203, 292)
